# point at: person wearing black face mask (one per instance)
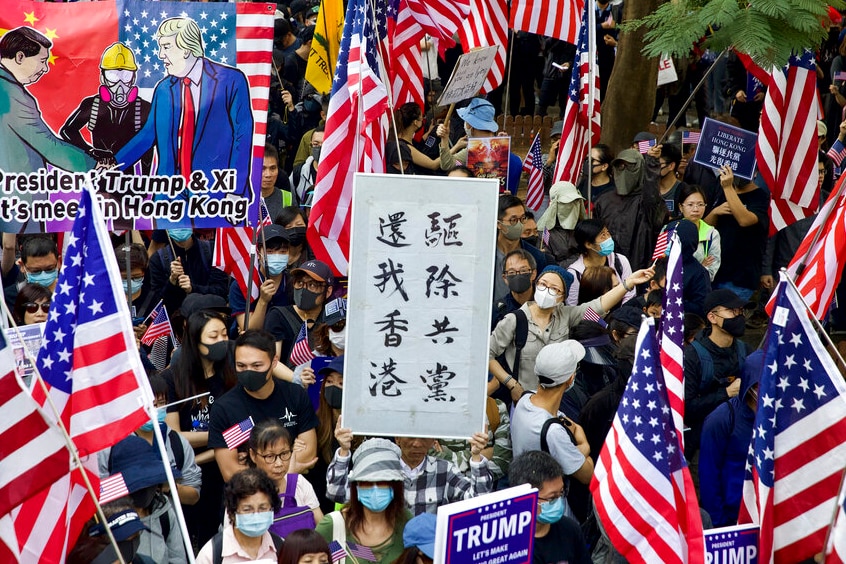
(519, 273)
(312, 286)
(261, 396)
(713, 363)
(294, 220)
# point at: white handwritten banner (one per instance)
(420, 289)
(469, 75)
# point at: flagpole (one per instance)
(592, 68)
(427, 38)
(388, 88)
(833, 517)
(683, 109)
(803, 263)
(128, 244)
(829, 343)
(61, 426)
(248, 297)
(508, 77)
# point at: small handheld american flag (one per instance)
(238, 433)
(360, 551)
(301, 353)
(533, 166)
(591, 315)
(691, 137)
(112, 488)
(644, 146)
(661, 245)
(160, 325)
(336, 551)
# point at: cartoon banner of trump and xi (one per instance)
(162, 105)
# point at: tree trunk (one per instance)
(630, 99)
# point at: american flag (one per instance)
(533, 165)
(581, 122)
(545, 237)
(641, 487)
(835, 550)
(487, 25)
(354, 140)
(112, 488)
(661, 245)
(591, 315)
(238, 433)
(93, 374)
(232, 249)
(672, 335)
(644, 146)
(360, 551)
(440, 19)
(233, 34)
(301, 352)
(787, 142)
(821, 265)
(33, 455)
(336, 551)
(691, 137)
(798, 448)
(552, 18)
(160, 326)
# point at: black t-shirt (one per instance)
(285, 324)
(743, 247)
(288, 403)
(194, 414)
(563, 544)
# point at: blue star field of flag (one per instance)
(581, 53)
(645, 409)
(794, 383)
(82, 295)
(138, 22)
(672, 318)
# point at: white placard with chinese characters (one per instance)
(418, 317)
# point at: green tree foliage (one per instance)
(768, 30)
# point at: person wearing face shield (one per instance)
(114, 114)
(712, 366)
(633, 211)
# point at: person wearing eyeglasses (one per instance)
(271, 450)
(596, 248)
(32, 304)
(690, 199)
(548, 320)
(312, 285)
(557, 538)
(510, 220)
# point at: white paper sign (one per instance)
(418, 316)
(468, 76)
(666, 71)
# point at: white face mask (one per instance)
(544, 299)
(339, 339)
(467, 130)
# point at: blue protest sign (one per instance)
(496, 528)
(722, 144)
(735, 545)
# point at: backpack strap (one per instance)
(217, 548)
(289, 498)
(278, 542)
(545, 429)
(521, 334)
(339, 531)
(706, 365)
(177, 448)
(492, 411)
(164, 523)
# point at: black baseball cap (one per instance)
(722, 297)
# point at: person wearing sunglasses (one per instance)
(271, 450)
(32, 304)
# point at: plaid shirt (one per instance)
(439, 482)
(458, 451)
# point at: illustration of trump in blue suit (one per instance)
(201, 118)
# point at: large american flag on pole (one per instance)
(439, 19)
(232, 249)
(787, 142)
(818, 263)
(642, 489)
(552, 18)
(93, 375)
(672, 335)
(835, 550)
(798, 448)
(487, 25)
(581, 120)
(354, 140)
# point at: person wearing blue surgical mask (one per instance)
(596, 248)
(251, 499)
(39, 262)
(273, 267)
(557, 538)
